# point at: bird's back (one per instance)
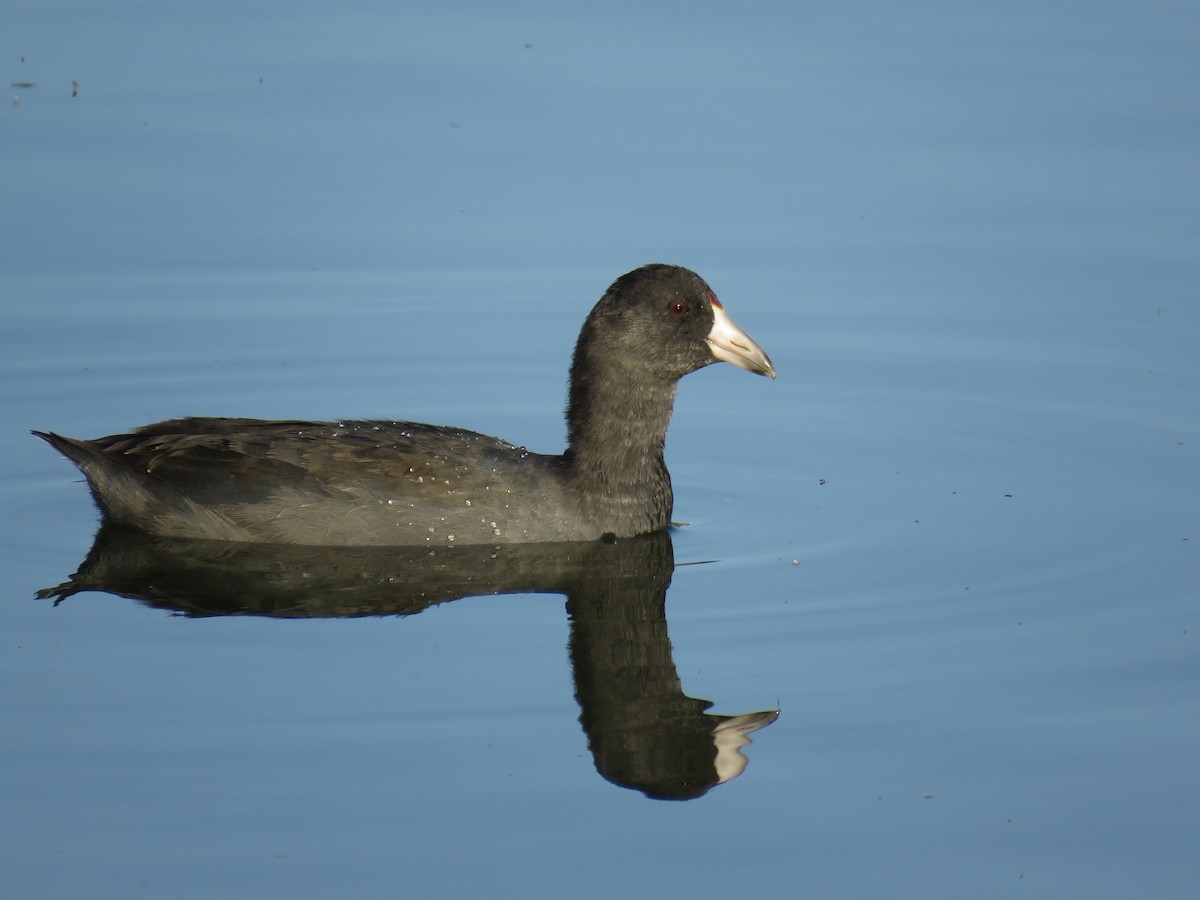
(327, 483)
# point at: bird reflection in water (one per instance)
(643, 731)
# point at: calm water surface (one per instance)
(955, 544)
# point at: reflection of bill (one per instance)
(732, 735)
(643, 731)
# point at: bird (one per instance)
(389, 483)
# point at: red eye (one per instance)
(678, 307)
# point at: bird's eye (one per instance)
(678, 307)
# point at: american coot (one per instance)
(403, 483)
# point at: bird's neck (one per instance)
(616, 430)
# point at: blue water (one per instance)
(955, 544)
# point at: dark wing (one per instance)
(214, 461)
